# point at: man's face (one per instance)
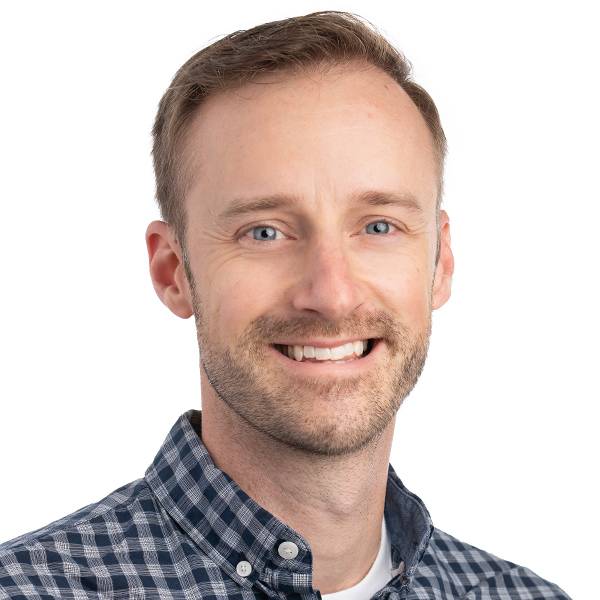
(311, 245)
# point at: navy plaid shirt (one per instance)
(183, 530)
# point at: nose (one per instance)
(329, 284)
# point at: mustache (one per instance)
(360, 325)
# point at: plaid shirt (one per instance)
(187, 531)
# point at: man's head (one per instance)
(311, 252)
(315, 42)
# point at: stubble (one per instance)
(316, 415)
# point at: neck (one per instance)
(335, 503)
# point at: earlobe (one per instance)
(442, 283)
(167, 269)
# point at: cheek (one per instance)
(402, 284)
(237, 295)
(410, 299)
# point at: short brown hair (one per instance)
(295, 44)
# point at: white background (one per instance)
(499, 437)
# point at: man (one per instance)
(299, 174)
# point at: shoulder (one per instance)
(128, 498)
(56, 560)
(459, 570)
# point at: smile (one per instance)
(338, 354)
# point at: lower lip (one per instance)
(327, 369)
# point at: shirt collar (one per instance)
(229, 527)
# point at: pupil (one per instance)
(264, 233)
(380, 227)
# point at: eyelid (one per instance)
(246, 231)
(392, 222)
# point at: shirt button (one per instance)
(244, 568)
(288, 550)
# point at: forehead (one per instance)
(328, 135)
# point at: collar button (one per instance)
(288, 550)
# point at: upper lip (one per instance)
(322, 343)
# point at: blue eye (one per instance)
(378, 228)
(264, 234)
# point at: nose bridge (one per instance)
(329, 283)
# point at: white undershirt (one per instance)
(379, 574)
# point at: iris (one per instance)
(378, 228)
(264, 233)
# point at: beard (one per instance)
(321, 416)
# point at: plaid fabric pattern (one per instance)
(182, 531)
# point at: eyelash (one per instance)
(248, 233)
(383, 220)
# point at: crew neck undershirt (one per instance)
(377, 577)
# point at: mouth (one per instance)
(335, 355)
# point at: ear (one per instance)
(167, 270)
(442, 282)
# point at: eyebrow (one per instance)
(244, 206)
(405, 200)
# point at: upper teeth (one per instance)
(326, 354)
